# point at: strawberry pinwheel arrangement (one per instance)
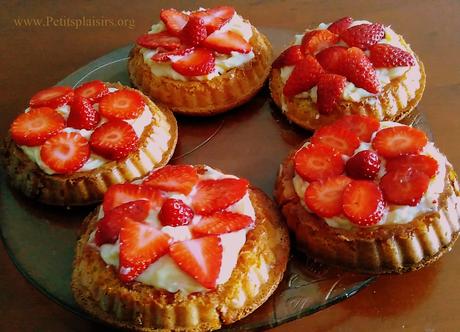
(67, 146)
(202, 62)
(370, 196)
(188, 235)
(347, 67)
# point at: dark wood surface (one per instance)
(38, 56)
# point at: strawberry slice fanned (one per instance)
(215, 18)
(174, 20)
(65, 152)
(221, 222)
(122, 104)
(388, 56)
(200, 258)
(36, 126)
(166, 56)
(93, 91)
(363, 126)
(199, 62)
(400, 140)
(226, 42)
(82, 114)
(340, 139)
(140, 246)
(175, 178)
(118, 194)
(289, 57)
(162, 39)
(52, 97)
(315, 162)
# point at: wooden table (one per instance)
(34, 57)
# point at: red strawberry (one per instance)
(215, 195)
(161, 39)
(400, 140)
(387, 56)
(288, 57)
(166, 56)
(325, 197)
(340, 25)
(420, 162)
(119, 194)
(175, 212)
(226, 42)
(305, 75)
(194, 31)
(221, 222)
(363, 203)
(315, 162)
(36, 126)
(122, 104)
(108, 228)
(177, 178)
(340, 139)
(52, 97)
(114, 140)
(93, 90)
(317, 40)
(65, 152)
(331, 58)
(140, 246)
(330, 89)
(363, 165)
(174, 20)
(363, 126)
(404, 186)
(82, 114)
(196, 63)
(215, 18)
(363, 35)
(200, 258)
(358, 69)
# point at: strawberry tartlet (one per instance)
(347, 67)
(189, 248)
(201, 63)
(372, 197)
(70, 145)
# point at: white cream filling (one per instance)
(395, 214)
(165, 273)
(223, 62)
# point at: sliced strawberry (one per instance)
(52, 97)
(331, 58)
(340, 25)
(363, 165)
(166, 56)
(199, 258)
(400, 140)
(363, 126)
(114, 140)
(175, 212)
(161, 39)
(82, 114)
(226, 42)
(119, 194)
(363, 203)
(387, 56)
(93, 90)
(315, 162)
(325, 197)
(215, 18)
(140, 246)
(36, 126)
(330, 89)
(305, 75)
(363, 35)
(65, 152)
(404, 186)
(198, 62)
(174, 20)
(340, 139)
(420, 162)
(122, 104)
(358, 69)
(176, 178)
(317, 40)
(289, 57)
(108, 228)
(221, 222)
(194, 31)
(215, 195)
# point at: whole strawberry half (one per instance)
(331, 58)
(357, 68)
(364, 35)
(289, 57)
(304, 76)
(82, 114)
(340, 25)
(329, 93)
(388, 56)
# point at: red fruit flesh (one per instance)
(363, 126)
(340, 139)
(364, 35)
(175, 212)
(363, 165)
(198, 62)
(315, 162)
(340, 25)
(331, 58)
(305, 75)
(400, 140)
(93, 91)
(162, 39)
(317, 40)
(174, 20)
(220, 223)
(404, 186)
(226, 42)
(422, 163)
(215, 18)
(82, 114)
(119, 194)
(289, 57)
(330, 89)
(123, 104)
(359, 70)
(175, 178)
(387, 56)
(194, 32)
(52, 97)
